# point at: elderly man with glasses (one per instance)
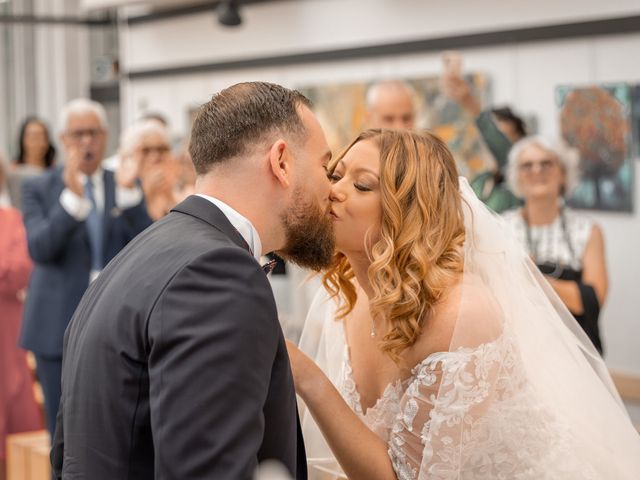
(77, 217)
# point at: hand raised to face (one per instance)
(128, 170)
(72, 171)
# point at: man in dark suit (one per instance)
(175, 365)
(77, 219)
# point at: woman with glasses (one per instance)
(148, 144)
(567, 247)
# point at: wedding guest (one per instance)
(18, 408)
(147, 143)
(36, 153)
(77, 217)
(566, 245)
(35, 148)
(500, 128)
(113, 162)
(391, 104)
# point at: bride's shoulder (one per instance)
(479, 311)
(468, 317)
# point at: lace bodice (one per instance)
(446, 397)
(380, 417)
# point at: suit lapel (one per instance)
(59, 186)
(206, 211)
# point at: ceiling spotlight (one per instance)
(228, 14)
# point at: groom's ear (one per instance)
(280, 162)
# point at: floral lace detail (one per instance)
(511, 436)
(468, 414)
(381, 416)
(347, 385)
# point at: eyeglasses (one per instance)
(160, 150)
(78, 135)
(544, 166)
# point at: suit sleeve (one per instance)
(213, 340)
(47, 229)
(496, 141)
(56, 456)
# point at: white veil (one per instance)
(527, 395)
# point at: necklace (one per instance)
(533, 246)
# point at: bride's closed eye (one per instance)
(361, 187)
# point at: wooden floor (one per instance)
(28, 456)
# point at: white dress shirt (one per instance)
(80, 207)
(241, 224)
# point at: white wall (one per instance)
(523, 75)
(312, 25)
(42, 67)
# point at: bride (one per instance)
(436, 350)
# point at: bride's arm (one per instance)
(359, 451)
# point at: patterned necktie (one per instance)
(94, 228)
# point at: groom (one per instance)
(175, 366)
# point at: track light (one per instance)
(228, 13)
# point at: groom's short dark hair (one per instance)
(239, 116)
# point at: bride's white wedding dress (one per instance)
(520, 393)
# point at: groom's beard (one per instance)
(309, 234)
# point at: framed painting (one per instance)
(596, 120)
(341, 109)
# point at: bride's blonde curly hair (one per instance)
(418, 252)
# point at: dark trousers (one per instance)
(49, 372)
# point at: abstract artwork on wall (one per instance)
(597, 122)
(341, 110)
(635, 98)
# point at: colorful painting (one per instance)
(635, 95)
(597, 121)
(341, 110)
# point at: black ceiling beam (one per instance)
(531, 34)
(55, 20)
(191, 9)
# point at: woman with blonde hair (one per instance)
(436, 349)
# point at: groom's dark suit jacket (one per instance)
(175, 366)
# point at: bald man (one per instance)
(391, 104)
